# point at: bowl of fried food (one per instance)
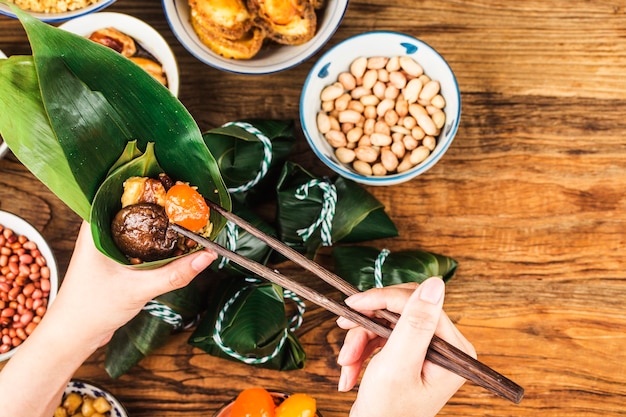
(380, 108)
(132, 38)
(257, 401)
(82, 398)
(254, 36)
(55, 11)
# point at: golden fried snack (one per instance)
(288, 22)
(243, 48)
(228, 18)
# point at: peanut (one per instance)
(24, 288)
(382, 116)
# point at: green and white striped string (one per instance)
(294, 323)
(232, 235)
(378, 267)
(165, 313)
(267, 155)
(325, 219)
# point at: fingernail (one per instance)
(342, 387)
(431, 290)
(201, 261)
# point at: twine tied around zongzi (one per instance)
(378, 267)
(267, 155)
(325, 218)
(294, 323)
(165, 313)
(232, 235)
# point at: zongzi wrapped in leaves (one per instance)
(367, 267)
(250, 155)
(312, 211)
(246, 322)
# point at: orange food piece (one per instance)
(297, 405)
(186, 207)
(253, 402)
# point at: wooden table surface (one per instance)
(529, 199)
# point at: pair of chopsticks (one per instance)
(440, 352)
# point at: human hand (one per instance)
(102, 295)
(398, 380)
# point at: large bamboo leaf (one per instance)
(356, 264)
(25, 127)
(96, 101)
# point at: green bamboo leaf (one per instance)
(110, 107)
(356, 264)
(25, 127)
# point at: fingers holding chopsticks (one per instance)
(401, 361)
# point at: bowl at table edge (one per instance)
(22, 227)
(279, 397)
(62, 16)
(3, 146)
(81, 387)
(271, 58)
(372, 44)
(144, 34)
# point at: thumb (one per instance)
(415, 328)
(180, 272)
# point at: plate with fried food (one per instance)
(254, 36)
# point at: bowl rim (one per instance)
(190, 41)
(62, 16)
(142, 32)
(72, 387)
(346, 172)
(23, 227)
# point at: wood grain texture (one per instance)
(529, 199)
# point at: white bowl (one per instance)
(143, 34)
(269, 59)
(87, 388)
(22, 227)
(60, 17)
(372, 44)
(3, 146)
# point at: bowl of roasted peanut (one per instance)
(380, 108)
(134, 39)
(254, 36)
(56, 11)
(82, 398)
(28, 281)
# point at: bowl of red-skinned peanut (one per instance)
(380, 108)
(28, 281)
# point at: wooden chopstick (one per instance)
(440, 352)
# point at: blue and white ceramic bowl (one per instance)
(270, 59)
(61, 17)
(87, 388)
(378, 44)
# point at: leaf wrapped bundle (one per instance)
(362, 266)
(68, 118)
(356, 214)
(242, 242)
(250, 155)
(246, 322)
